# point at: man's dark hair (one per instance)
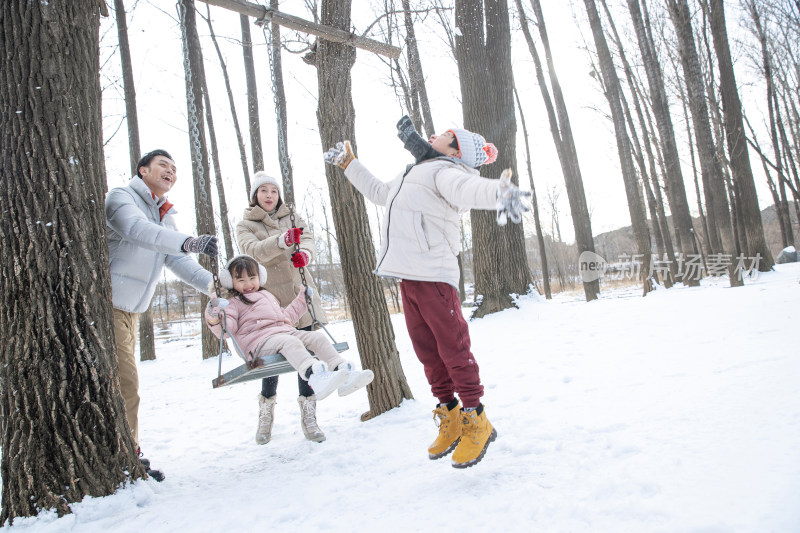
(148, 157)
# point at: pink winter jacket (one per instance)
(251, 324)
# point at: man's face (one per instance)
(442, 144)
(160, 175)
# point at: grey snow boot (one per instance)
(308, 418)
(266, 417)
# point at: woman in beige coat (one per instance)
(266, 234)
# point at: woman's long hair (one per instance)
(238, 266)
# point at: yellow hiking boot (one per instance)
(476, 434)
(449, 422)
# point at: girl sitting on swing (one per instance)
(261, 327)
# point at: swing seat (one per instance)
(262, 367)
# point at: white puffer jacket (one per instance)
(421, 234)
(140, 243)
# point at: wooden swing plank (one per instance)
(263, 367)
(330, 33)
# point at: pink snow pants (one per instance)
(440, 337)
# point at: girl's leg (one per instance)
(440, 337)
(318, 343)
(291, 348)
(425, 346)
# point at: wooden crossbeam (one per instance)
(296, 23)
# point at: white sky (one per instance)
(158, 70)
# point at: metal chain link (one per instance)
(194, 121)
(302, 270)
(283, 156)
(194, 131)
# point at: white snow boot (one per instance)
(323, 382)
(308, 418)
(356, 379)
(266, 417)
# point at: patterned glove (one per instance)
(340, 155)
(204, 244)
(292, 236)
(300, 259)
(215, 305)
(413, 141)
(509, 200)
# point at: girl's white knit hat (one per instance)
(262, 178)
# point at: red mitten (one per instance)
(292, 236)
(300, 259)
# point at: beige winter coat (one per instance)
(259, 234)
(421, 235)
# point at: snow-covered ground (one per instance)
(678, 412)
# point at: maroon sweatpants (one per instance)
(440, 337)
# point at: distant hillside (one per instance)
(612, 244)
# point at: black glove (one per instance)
(413, 142)
(204, 244)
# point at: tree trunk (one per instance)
(147, 347)
(658, 221)
(279, 95)
(535, 203)
(415, 75)
(613, 95)
(676, 192)
(719, 232)
(774, 119)
(223, 204)
(204, 210)
(252, 100)
(336, 119)
(234, 116)
(565, 144)
(737, 144)
(65, 435)
(484, 67)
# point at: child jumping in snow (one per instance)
(420, 243)
(261, 327)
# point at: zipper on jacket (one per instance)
(389, 216)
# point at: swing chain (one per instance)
(266, 28)
(192, 105)
(302, 270)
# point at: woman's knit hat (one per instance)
(475, 151)
(262, 178)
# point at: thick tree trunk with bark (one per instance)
(676, 191)
(613, 93)
(64, 431)
(565, 144)
(737, 143)
(720, 231)
(204, 210)
(336, 119)
(484, 67)
(252, 99)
